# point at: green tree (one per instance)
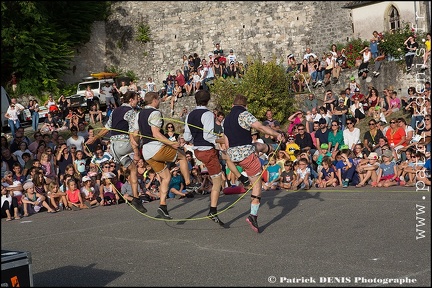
(266, 85)
(39, 39)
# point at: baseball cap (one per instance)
(377, 108)
(343, 147)
(324, 146)
(231, 50)
(290, 56)
(254, 131)
(352, 78)
(388, 154)
(86, 178)
(356, 89)
(341, 100)
(373, 156)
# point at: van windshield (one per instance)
(83, 86)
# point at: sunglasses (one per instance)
(334, 125)
(371, 124)
(112, 166)
(291, 139)
(392, 122)
(170, 127)
(348, 123)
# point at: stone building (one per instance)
(268, 28)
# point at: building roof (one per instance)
(355, 4)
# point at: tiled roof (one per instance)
(354, 4)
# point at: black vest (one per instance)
(144, 127)
(237, 136)
(196, 128)
(118, 122)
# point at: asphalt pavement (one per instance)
(343, 237)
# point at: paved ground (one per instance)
(307, 237)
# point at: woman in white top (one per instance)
(357, 109)
(351, 134)
(363, 68)
(50, 102)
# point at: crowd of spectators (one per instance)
(57, 170)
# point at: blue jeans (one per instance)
(314, 76)
(416, 119)
(35, 121)
(13, 126)
(320, 75)
(341, 119)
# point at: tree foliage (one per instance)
(39, 39)
(266, 85)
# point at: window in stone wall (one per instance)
(393, 18)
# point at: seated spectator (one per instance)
(326, 175)
(394, 104)
(107, 190)
(33, 201)
(346, 170)
(304, 180)
(95, 114)
(387, 173)
(357, 110)
(152, 184)
(288, 176)
(73, 196)
(100, 156)
(339, 113)
(368, 170)
(176, 185)
(351, 134)
(273, 171)
(56, 196)
(9, 205)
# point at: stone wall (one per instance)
(272, 29)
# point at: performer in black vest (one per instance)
(158, 150)
(120, 122)
(238, 139)
(199, 127)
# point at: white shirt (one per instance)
(207, 119)
(78, 142)
(351, 138)
(13, 113)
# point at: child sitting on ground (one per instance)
(303, 180)
(273, 171)
(327, 175)
(387, 173)
(288, 176)
(368, 170)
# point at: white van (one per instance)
(99, 99)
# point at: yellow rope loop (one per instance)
(186, 219)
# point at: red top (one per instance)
(396, 137)
(73, 196)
